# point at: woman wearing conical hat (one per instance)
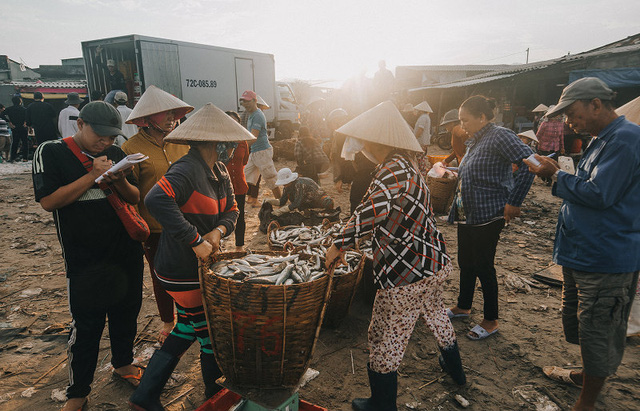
(410, 258)
(195, 204)
(155, 114)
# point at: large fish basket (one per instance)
(263, 336)
(442, 192)
(274, 226)
(343, 289)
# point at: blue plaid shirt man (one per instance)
(487, 182)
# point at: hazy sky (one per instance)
(327, 39)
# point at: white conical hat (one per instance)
(154, 101)
(424, 106)
(631, 110)
(262, 104)
(209, 124)
(541, 108)
(382, 124)
(529, 134)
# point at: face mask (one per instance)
(369, 156)
(351, 147)
(222, 148)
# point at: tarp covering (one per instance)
(615, 78)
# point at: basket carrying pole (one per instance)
(327, 295)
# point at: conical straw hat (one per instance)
(424, 106)
(262, 104)
(541, 108)
(382, 124)
(154, 101)
(529, 134)
(209, 124)
(631, 110)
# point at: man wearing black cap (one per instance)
(68, 117)
(104, 265)
(41, 117)
(598, 234)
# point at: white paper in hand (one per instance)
(125, 163)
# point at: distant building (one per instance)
(519, 88)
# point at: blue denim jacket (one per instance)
(599, 223)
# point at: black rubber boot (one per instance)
(147, 396)
(384, 391)
(210, 373)
(452, 364)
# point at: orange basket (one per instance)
(435, 159)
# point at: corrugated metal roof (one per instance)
(467, 82)
(464, 67)
(51, 84)
(517, 69)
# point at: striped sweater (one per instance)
(189, 201)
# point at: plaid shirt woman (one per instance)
(407, 245)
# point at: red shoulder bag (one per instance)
(133, 222)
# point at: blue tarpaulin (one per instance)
(615, 78)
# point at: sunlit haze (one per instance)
(326, 40)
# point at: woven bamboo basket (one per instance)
(442, 191)
(343, 290)
(263, 336)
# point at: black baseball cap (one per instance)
(103, 118)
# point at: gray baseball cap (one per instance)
(103, 118)
(586, 88)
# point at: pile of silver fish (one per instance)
(263, 269)
(352, 257)
(366, 247)
(302, 235)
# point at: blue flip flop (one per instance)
(481, 332)
(451, 315)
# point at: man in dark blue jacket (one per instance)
(598, 234)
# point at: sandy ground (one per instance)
(504, 371)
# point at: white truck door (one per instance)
(161, 66)
(244, 78)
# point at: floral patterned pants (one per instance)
(395, 312)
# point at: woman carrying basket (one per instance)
(410, 259)
(195, 205)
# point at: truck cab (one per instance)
(287, 111)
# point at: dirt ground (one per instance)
(504, 371)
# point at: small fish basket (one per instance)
(263, 336)
(343, 289)
(442, 191)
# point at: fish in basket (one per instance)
(263, 334)
(301, 235)
(345, 282)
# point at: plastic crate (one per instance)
(225, 399)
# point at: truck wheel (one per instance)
(444, 141)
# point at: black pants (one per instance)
(113, 292)
(476, 253)
(240, 224)
(20, 142)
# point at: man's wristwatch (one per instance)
(221, 232)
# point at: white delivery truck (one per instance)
(196, 73)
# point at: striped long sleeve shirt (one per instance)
(189, 201)
(407, 245)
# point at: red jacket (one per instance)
(236, 168)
